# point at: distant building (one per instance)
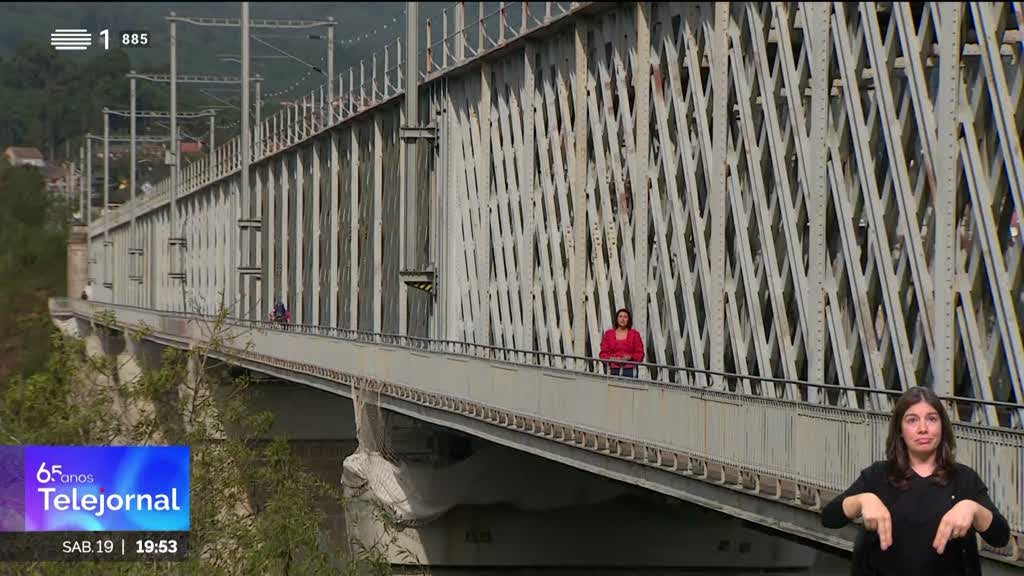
(56, 178)
(24, 156)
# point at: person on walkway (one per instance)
(921, 509)
(622, 343)
(281, 315)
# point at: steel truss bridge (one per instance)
(809, 207)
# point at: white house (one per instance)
(24, 156)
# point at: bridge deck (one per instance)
(774, 462)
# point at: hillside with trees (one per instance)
(33, 233)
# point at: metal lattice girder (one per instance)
(806, 191)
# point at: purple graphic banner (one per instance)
(94, 488)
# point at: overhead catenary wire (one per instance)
(284, 53)
(219, 99)
(294, 85)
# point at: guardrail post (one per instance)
(480, 28)
(460, 32)
(501, 22)
(430, 51)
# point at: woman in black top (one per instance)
(921, 510)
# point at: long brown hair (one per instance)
(900, 472)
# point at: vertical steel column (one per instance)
(460, 32)
(272, 288)
(87, 199)
(266, 235)
(818, 194)
(151, 250)
(641, 187)
(351, 91)
(257, 248)
(85, 196)
(409, 222)
(529, 191)
(444, 40)
(333, 262)
(134, 257)
(403, 291)
(80, 175)
(314, 275)
(108, 272)
(87, 190)
(578, 264)
(209, 252)
(223, 236)
(299, 314)
(269, 238)
(258, 121)
(286, 233)
(240, 200)
(437, 191)
(353, 247)
(450, 257)
(172, 252)
(480, 32)
(213, 140)
(330, 72)
(73, 192)
(488, 326)
(378, 223)
(947, 178)
(720, 121)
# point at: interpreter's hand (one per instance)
(876, 518)
(955, 524)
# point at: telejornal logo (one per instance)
(102, 488)
(70, 39)
(88, 502)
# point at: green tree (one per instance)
(255, 509)
(33, 239)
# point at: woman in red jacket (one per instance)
(622, 343)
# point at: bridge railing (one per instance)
(863, 400)
(466, 33)
(961, 409)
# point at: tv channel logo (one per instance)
(70, 39)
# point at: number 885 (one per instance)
(134, 39)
